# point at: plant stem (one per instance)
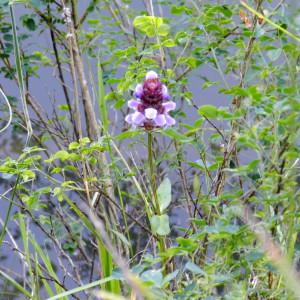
(150, 158)
(162, 244)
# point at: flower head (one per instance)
(151, 108)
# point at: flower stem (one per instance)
(162, 244)
(150, 157)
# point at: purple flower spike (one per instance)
(151, 75)
(138, 118)
(133, 104)
(160, 120)
(165, 92)
(151, 111)
(128, 119)
(169, 120)
(168, 106)
(138, 91)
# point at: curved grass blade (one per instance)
(18, 61)
(9, 110)
(82, 288)
(16, 284)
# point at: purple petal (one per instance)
(169, 120)
(165, 93)
(128, 118)
(170, 105)
(150, 113)
(151, 75)
(133, 104)
(137, 118)
(160, 120)
(138, 92)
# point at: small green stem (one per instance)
(162, 244)
(150, 157)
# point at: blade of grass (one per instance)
(24, 236)
(37, 282)
(99, 231)
(105, 257)
(45, 283)
(107, 296)
(104, 117)
(47, 262)
(16, 285)
(82, 288)
(101, 97)
(18, 61)
(9, 111)
(106, 264)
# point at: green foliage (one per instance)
(164, 194)
(152, 26)
(160, 224)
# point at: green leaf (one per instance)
(194, 268)
(169, 43)
(170, 277)
(29, 23)
(36, 3)
(196, 185)
(164, 194)
(254, 256)
(84, 141)
(274, 54)
(121, 237)
(4, 2)
(151, 25)
(208, 83)
(160, 224)
(174, 134)
(127, 134)
(74, 146)
(61, 155)
(176, 10)
(208, 111)
(154, 276)
(163, 30)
